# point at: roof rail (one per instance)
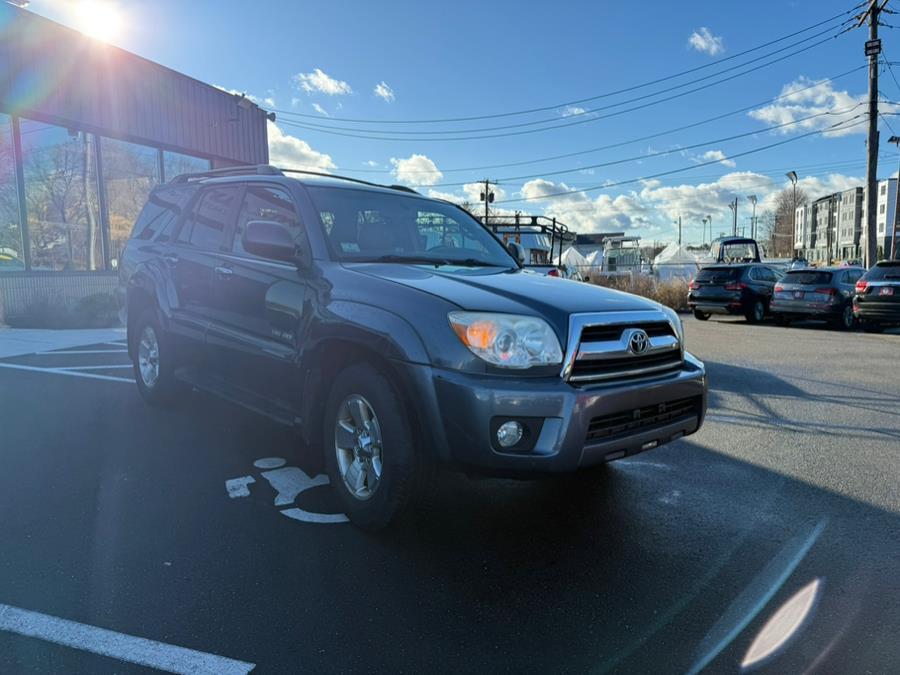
(248, 170)
(402, 188)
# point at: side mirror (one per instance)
(272, 240)
(516, 250)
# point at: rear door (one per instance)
(193, 258)
(261, 303)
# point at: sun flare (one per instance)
(100, 19)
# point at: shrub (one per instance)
(93, 311)
(672, 293)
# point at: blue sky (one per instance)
(443, 60)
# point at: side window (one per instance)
(265, 202)
(771, 275)
(754, 274)
(162, 211)
(206, 226)
(852, 276)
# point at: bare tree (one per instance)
(779, 225)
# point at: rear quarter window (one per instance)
(162, 210)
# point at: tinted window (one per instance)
(717, 275)
(807, 277)
(262, 202)
(162, 209)
(209, 220)
(852, 276)
(889, 270)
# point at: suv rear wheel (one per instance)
(154, 367)
(757, 312)
(370, 454)
(845, 320)
(700, 316)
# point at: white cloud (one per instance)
(321, 82)
(295, 101)
(319, 109)
(814, 100)
(704, 41)
(292, 153)
(570, 110)
(416, 170)
(371, 163)
(717, 155)
(382, 90)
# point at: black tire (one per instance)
(872, 327)
(845, 320)
(700, 316)
(164, 389)
(782, 320)
(756, 313)
(404, 470)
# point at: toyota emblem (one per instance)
(638, 342)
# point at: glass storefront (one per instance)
(130, 171)
(61, 197)
(12, 256)
(66, 229)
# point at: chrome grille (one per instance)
(598, 347)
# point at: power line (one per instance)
(590, 98)
(686, 168)
(619, 144)
(590, 119)
(662, 153)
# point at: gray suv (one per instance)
(395, 332)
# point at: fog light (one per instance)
(509, 433)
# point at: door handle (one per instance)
(224, 272)
(171, 259)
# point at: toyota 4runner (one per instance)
(397, 333)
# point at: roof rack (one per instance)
(258, 170)
(402, 188)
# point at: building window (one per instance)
(881, 208)
(12, 257)
(129, 173)
(883, 188)
(175, 163)
(61, 197)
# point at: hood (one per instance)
(513, 292)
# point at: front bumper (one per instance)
(456, 411)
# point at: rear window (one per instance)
(719, 274)
(884, 270)
(807, 277)
(162, 209)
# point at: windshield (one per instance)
(807, 277)
(367, 226)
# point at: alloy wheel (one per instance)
(358, 446)
(148, 357)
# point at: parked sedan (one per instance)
(877, 300)
(732, 289)
(824, 294)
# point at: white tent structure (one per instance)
(675, 262)
(575, 264)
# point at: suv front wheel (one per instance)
(370, 454)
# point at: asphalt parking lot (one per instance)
(203, 537)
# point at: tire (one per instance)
(701, 316)
(782, 320)
(845, 320)
(154, 361)
(756, 313)
(376, 433)
(872, 327)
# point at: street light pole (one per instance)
(734, 212)
(752, 199)
(793, 177)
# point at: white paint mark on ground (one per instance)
(120, 366)
(269, 463)
(85, 351)
(144, 652)
(237, 487)
(319, 518)
(70, 373)
(290, 482)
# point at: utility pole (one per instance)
(873, 49)
(487, 197)
(792, 175)
(752, 199)
(678, 222)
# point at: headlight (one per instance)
(507, 340)
(676, 321)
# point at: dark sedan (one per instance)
(732, 289)
(824, 294)
(877, 300)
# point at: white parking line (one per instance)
(61, 371)
(144, 652)
(115, 367)
(85, 351)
